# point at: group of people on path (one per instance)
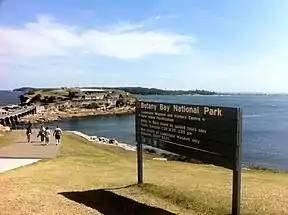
(44, 134)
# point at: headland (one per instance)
(57, 103)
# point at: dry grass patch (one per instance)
(9, 137)
(49, 92)
(99, 179)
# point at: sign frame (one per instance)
(236, 158)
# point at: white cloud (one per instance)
(31, 52)
(121, 27)
(47, 37)
(158, 17)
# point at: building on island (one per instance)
(93, 94)
(108, 97)
(98, 94)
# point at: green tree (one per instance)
(92, 106)
(22, 99)
(72, 95)
(30, 92)
(51, 99)
(120, 102)
(36, 98)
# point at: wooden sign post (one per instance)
(139, 146)
(236, 187)
(206, 133)
(139, 163)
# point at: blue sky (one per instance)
(224, 46)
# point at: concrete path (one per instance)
(22, 153)
(8, 164)
(35, 149)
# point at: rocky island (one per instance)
(58, 103)
(52, 104)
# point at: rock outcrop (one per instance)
(52, 114)
(4, 129)
(106, 141)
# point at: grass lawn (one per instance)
(50, 92)
(9, 137)
(100, 179)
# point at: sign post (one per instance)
(139, 148)
(206, 133)
(139, 163)
(236, 192)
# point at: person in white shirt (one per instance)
(57, 133)
(47, 135)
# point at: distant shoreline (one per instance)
(156, 91)
(131, 90)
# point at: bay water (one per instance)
(265, 124)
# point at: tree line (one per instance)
(155, 91)
(141, 91)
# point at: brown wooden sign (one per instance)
(206, 133)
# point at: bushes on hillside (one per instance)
(62, 108)
(72, 95)
(36, 98)
(51, 99)
(120, 102)
(48, 89)
(23, 99)
(92, 106)
(30, 92)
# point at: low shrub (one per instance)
(30, 92)
(36, 98)
(51, 99)
(92, 106)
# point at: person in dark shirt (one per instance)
(29, 132)
(41, 133)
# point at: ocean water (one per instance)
(8, 97)
(265, 125)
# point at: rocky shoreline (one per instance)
(125, 146)
(104, 140)
(160, 155)
(53, 114)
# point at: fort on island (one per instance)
(52, 104)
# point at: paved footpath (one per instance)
(21, 152)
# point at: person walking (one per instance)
(41, 133)
(29, 132)
(57, 133)
(47, 136)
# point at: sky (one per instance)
(223, 46)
